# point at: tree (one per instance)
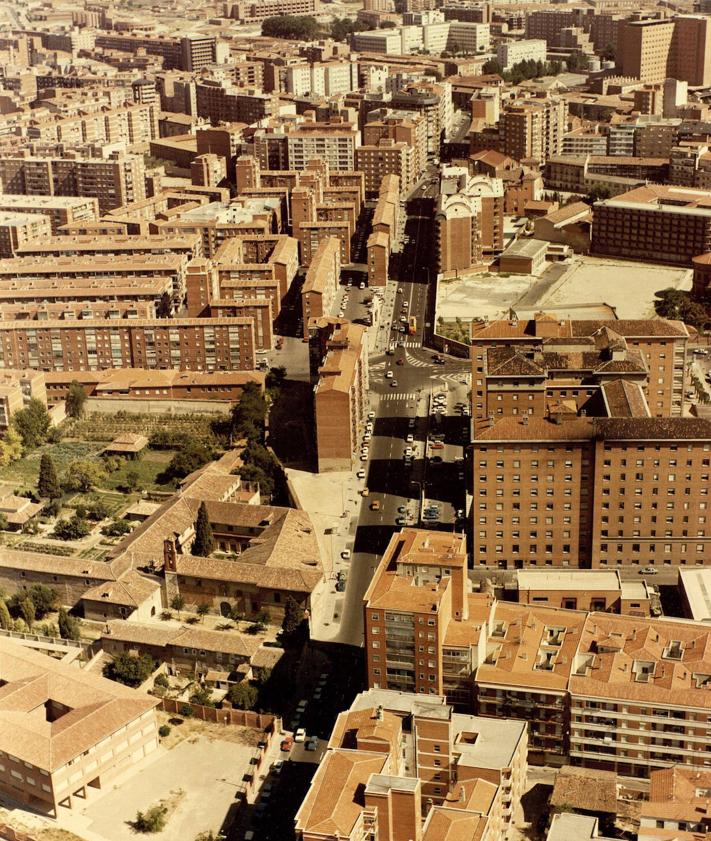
(32, 423)
(292, 27)
(202, 610)
(10, 446)
(44, 598)
(243, 696)
(293, 616)
(48, 481)
(153, 820)
(130, 669)
(27, 611)
(248, 416)
(177, 603)
(577, 61)
(204, 543)
(132, 481)
(190, 458)
(68, 626)
(83, 474)
(493, 66)
(73, 529)
(165, 306)
(5, 618)
(75, 400)
(116, 528)
(202, 696)
(670, 303)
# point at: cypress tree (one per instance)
(5, 618)
(48, 481)
(204, 542)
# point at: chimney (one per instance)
(379, 712)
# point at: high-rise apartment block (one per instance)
(655, 49)
(661, 223)
(321, 283)
(335, 143)
(339, 366)
(400, 767)
(511, 53)
(625, 693)
(113, 182)
(189, 53)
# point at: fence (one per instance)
(29, 637)
(227, 716)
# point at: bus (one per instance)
(412, 326)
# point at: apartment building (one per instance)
(387, 157)
(222, 102)
(655, 49)
(125, 126)
(334, 142)
(678, 805)
(401, 127)
(17, 388)
(339, 361)
(19, 229)
(107, 729)
(321, 283)
(248, 10)
(533, 129)
(322, 78)
(469, 218)
(525, 367)
(112, 182)
(98, 273)
(639, 698)
(592, 492)
(385, 226)
(511, 53)
(204, 344)
(655, 223)
(433, 100)
(400, 767)
(188, 53)
(60, 210)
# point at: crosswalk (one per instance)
(399, 395)
(453, 378)
(416, 363)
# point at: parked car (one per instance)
(287, 743)
(375, 505)
(346, 554)
(393, 383)
(300, 735)
(648, 571)
(361, 474)
(312, 743)
(400, 521)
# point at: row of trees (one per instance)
(307, 28)
(34, 605)
(528, 69)
(676, 304)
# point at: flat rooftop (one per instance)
(568, 580)
(696, 584)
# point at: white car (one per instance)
(389, 375)
(371, 415)
(300, 735)
(361, 474)
(346, 555)
(405, 305)
(361, 285)
(410, 439)
(403, 319)
(367, 436)
(408, 452)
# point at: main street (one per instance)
(405, 382)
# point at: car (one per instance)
(249, 835)
(361, 285)
(699, 351)
(388, 375)
(411, 423)
(340, 585)
(400, 521)
(401, 509)
(364, 492)
(460, 476)
(648, 571)
(301, 706)
(459, 513)
(375, 505)
(436, 445)
(361, 474)
(278, 766)
(367, 436)
(430, 515)
(350, 283)
(403, 319)
(690, 394)
(400, 362)
(390, 351)
(371, 415)
(340, 313)
(300, 735)
(402, 329)
(346, 554)
(410, 439)
(364, 457)
(369, 427)
(400, 290)
(436, 460)
(287, 743)
(317, 695)
(400, 343)
(393, 383)
(439, 362)
(408, 451)
(365, 449)
(407, 461)
(459, 462)
(312, 743)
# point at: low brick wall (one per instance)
(7, 833)
(240, 718)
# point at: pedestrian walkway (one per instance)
(400, 395)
